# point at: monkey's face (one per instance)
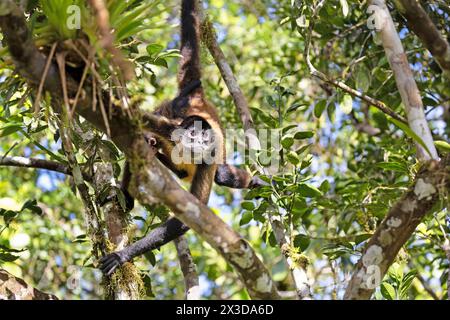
(195, 143)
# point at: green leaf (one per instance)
(388, 291)
(325, 186)
(347, 104)
(10, 129)
(287, 128)
(247, 216)
(302, 242)
(248, 205)
(150, 257)
(406, 283)
(7, 249)
(287, 142)
(7, 257)
(300, 135)
(396, 272)
(80, 239)
(363, 78)
(394, 166)
(147, 285)
(443, 146)
(122, 199)
(160, 62)
(362, 237)
(307, 190)
(297, 106)
(319, 108)
(293, 158)
(154, 48)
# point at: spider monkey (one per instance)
(191, 122)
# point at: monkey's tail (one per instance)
(189, 70)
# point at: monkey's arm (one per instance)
(166, 232)
(233, 177)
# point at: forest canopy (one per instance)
(339, 110)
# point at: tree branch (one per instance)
(340, 84)
(405, 80)
(397, 227)
(427, 287)
(188, 268)
(34, 163)
(209, 38)
(446, 248)
(420, 23)
(297, 268)
(13, 288)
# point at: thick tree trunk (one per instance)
(126, 284)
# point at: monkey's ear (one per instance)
(151, 139)
(257, 182)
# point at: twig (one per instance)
(107, 40)
(339, 84)
(44, 76)
(39, 164)
(188, 268)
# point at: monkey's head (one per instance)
(195, 142)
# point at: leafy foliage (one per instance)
(337, 183)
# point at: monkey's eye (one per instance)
(206, 135)
(192, 135)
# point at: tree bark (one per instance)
(153, 183)
(406, 214)
(188, 269)
(14, 288)
(421, 24)
(397, 227)
(405, 80)
(126, 284)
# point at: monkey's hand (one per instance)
(110, 262)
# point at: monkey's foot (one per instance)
(109, 263)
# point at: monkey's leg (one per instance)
(233, 177)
